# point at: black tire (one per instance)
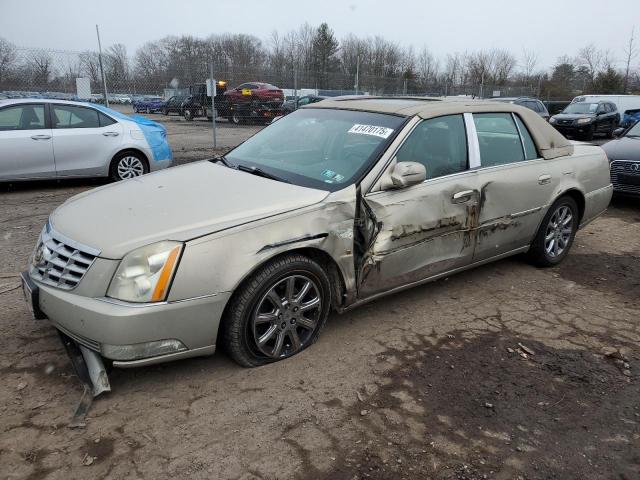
(237, 325)
(148, 112)
(590, 133)
(538, 253)
(115, 173)
(165, 111)
(235, 118)
(610, 132)
(188, 115)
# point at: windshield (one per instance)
(581, 107)
(318, 148)
(634, 131)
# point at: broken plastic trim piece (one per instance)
(89, 368)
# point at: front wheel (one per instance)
(590, 133)
(278, 312)
(128, 165)
(556, 233)
(188, 115)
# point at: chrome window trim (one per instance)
(524, 149)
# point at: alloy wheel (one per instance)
(129, 167)
(286, 316)
(559, 231)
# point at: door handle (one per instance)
(40, 137)
(110, 134)
(462, 197)
(544, 179)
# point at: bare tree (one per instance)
(427, 67)
(529, 62)
(40, 68)
(90, 66)
(630, 53)
(592, 59)
(8, 56)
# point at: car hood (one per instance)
(624, 148)
(572, 116)
(179, 203)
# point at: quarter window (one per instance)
(498, 138)
(104, 120)
(530, 151)
(22, 117)
(69, 116)
(440, 144)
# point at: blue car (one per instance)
(630, 117)
(148, 105)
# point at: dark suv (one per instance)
(531, 103)
(586, 119)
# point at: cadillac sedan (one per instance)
(334, 205)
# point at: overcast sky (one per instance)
(550, 27)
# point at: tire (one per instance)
(126, 165)
(148, 111)
(590, 133)
(610, 132)
(552, 244)
(235, 118)
(188, 115)
(253, 313)
(165, 111)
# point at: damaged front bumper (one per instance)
(131, 335)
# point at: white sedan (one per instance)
(46, 139)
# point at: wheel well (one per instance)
(130, 150)
(579, 199)
(323, 258)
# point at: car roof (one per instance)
(549, 141)
(511, 99)
(16, 101)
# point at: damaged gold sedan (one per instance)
(332, 206)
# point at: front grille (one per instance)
(60, 262)
(564, 122)
(628, 169)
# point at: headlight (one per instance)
(582, 121)
(552, 120)
(145, 274)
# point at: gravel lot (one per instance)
(504, 372)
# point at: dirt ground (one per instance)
(502, 372)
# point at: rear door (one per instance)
(84, 140)
(25, 142)
(516, 184)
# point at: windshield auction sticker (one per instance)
(383, 132)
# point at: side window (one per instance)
(530, 151)
(22, 117)
(613, 108)
(104, 120)
(440, 144)
(69, 116)
(303, 101)
(498, 138)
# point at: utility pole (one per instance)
(213, 107)
(357, 74)
(104, 79)
(295, 86)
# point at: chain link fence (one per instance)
(51, 72)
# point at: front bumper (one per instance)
(135, 334)
(573, 129)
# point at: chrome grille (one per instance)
(625, 167)
(59, 261)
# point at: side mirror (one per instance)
(618, 131)
(405, 174)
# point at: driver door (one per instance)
(417, 232)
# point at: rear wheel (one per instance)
(165, 111)
(236, 119)
(188, 115)
(126, 165)
(556, 233)
(278, 312)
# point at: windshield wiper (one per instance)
(261, 173)
(223, 160)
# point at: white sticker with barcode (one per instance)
(383, 132)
